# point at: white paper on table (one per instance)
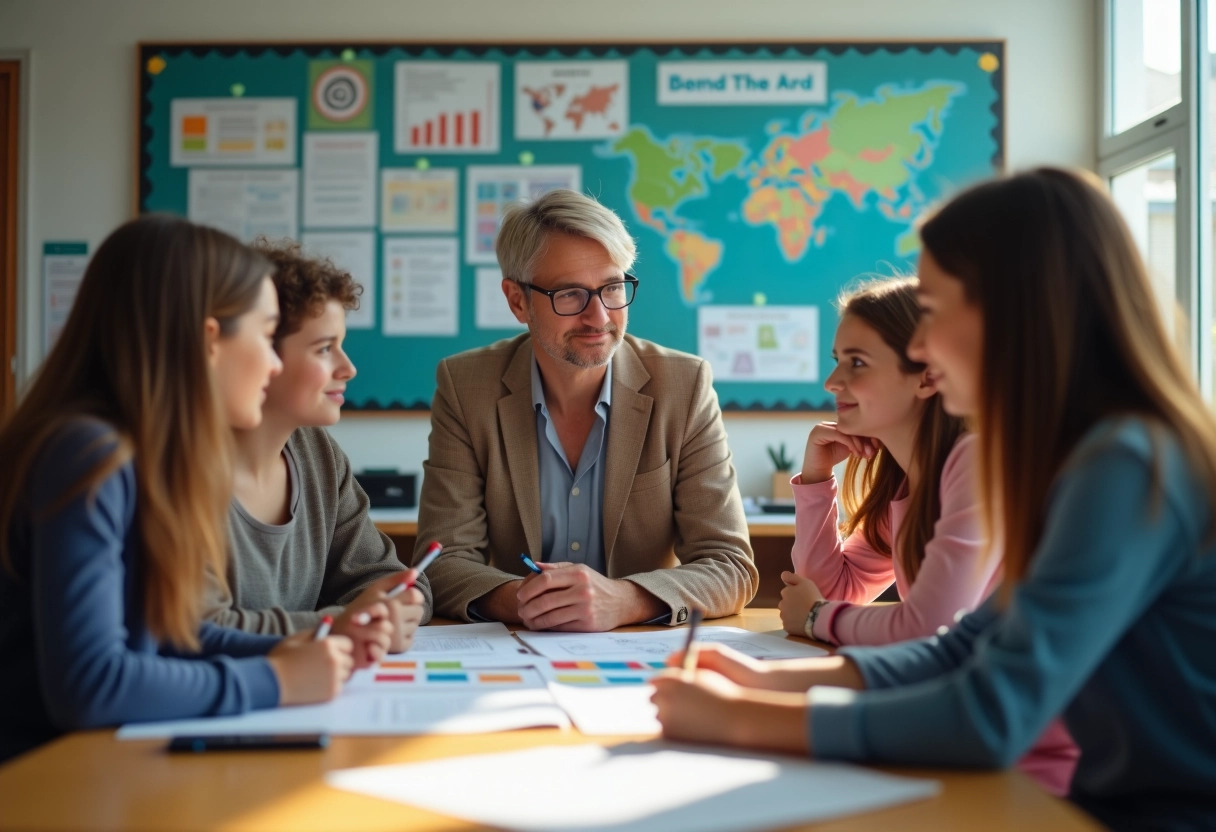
(369, 709)
(645, 787)
(661, 643)
(489, 642)
(609, 711)
(340, 179)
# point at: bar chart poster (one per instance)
(446, 107)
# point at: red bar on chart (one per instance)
(443, 129)
(460, 128)
(414, 136)
(429, 138)
(474, 137)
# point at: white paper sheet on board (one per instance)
(355, 252)
(421, 292)
(340, 179)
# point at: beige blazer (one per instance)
(673, 519)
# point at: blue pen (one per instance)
(528, 562)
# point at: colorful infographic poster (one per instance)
(232, 131)
(447, 107)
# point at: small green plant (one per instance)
(781, 462)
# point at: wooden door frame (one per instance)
(10, 181)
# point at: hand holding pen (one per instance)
(311, 665)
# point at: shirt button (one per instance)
(942, 630)
(574, 545)
(574, 491)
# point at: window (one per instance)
(1153, 130)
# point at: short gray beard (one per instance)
(570, 355)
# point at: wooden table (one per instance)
(772, 538)
(91, 781)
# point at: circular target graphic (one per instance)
(340, 94)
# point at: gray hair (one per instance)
(525, 229)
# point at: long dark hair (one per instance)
(1072, 335)
(132, 354)
(889, 307)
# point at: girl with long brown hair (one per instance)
(117, 479)
(1097, 460)
(910, 491)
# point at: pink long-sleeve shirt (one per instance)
(957, 573)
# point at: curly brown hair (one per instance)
(305, 284)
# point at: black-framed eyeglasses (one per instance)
(574, 299)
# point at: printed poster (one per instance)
(490, 189)
(340, 179)
(418, 200)
(341, 95)
(232, 131)
(63, 266)
(354, 252)
(246, 203)
(571, 99)
(421, 286)
(760, 343)
(447, 107)
(493, 312)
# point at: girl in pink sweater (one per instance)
(910, 491)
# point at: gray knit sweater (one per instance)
(284, 578)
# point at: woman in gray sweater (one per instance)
(302, 544)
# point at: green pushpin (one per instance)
(348, 54)
(422, 164)
(759, 299)
(238, 90)
(526, 158)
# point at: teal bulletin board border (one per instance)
(397, 373)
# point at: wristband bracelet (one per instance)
(809, 627)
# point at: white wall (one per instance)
(82, 112)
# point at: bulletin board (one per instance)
(759, 180)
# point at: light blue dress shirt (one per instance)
(572, 500)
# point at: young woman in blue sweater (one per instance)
(117, 478)
(1098, 473)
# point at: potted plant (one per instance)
(781, 476)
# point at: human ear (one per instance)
(927, 387)
(211, 340)
(514, 294)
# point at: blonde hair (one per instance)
(889, 307)
(1072, 336)
(526, 227)
(132, 354)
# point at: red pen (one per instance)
(432, 552)
(324, 627)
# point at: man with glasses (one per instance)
(601, 456)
